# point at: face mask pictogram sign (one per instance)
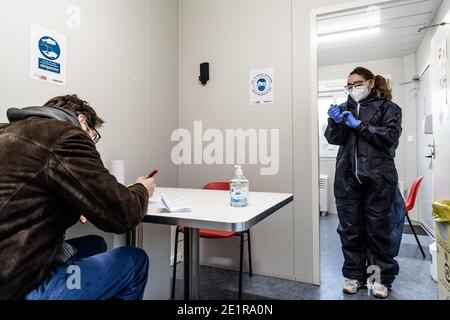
(47, 55)
(262, 86)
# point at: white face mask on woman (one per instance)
(359, 93)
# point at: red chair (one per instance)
(216, 234)
(409, 205)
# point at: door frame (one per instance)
(298, 74)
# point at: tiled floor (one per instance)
(413, 282)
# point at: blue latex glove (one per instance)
(335, 113)
(350, 120)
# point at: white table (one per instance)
(211, 210)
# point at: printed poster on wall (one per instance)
(262, 86)
(47, 55)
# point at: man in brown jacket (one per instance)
(51, 176)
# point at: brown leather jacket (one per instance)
(50, 174)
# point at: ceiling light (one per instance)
(347, 35)
(345, 27)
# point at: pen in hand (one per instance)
(152, 174)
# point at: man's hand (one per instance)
(149, 184)
(83, 219)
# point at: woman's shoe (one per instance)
(351, 286)
(380, 291)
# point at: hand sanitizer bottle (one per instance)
(239, 189)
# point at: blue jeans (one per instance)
(94, 274)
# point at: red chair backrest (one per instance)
(412, 194)
(217, 186)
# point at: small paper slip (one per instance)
(170, 207)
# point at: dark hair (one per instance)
(381, 87)
(77, 106)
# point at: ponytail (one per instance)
(382, 88)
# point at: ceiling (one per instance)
(379, 32)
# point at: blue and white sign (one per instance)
(262, 86)
(49, 48)
(47, 56)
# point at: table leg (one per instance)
(131, 238)
(191, 263)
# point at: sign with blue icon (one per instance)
(47, 56)
(262, 86)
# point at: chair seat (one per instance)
(207, 233)
(214, 234)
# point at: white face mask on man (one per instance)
(360, 92)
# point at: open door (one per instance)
(425, 145)
(441, 113)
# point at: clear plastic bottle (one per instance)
(239, 189)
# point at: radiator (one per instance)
(323, 195)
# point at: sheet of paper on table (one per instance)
(173, 208)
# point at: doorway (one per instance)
(381, 37)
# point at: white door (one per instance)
(441, 113)
(425, 111)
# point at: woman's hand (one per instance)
(335, 113)
(350, 120)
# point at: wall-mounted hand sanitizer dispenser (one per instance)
(428, 124)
